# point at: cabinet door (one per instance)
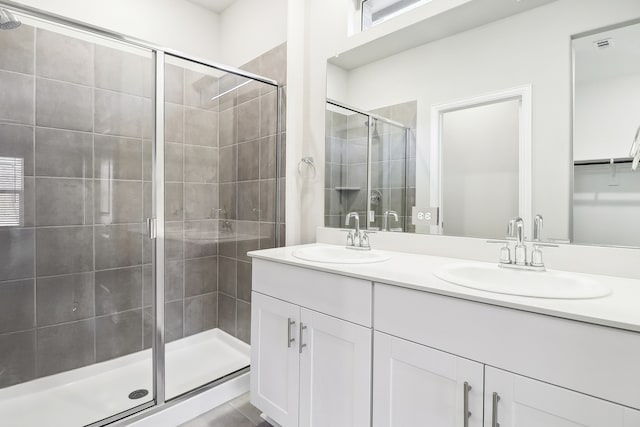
(515, 401)
(274, 358)
(335, 372)
(414, 385)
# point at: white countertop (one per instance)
(620, 309)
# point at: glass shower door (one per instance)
(75, 187)
(220, 202)
(389, 161)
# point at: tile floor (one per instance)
(236, 413)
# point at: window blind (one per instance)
(11, 191)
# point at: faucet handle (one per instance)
(350, 239)
(364, 239)
(350, 236)
(505, 252)
(536, 255)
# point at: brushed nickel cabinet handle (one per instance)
(290, 338)
(302, 345)
(466, 412)
(494, 416)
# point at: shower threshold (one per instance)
(91, 393)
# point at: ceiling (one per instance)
(216, 6)
(622, 58)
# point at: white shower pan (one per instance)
(91, 393)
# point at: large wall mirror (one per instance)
(531, 114)
(606, 122)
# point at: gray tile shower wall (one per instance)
(191, 205)
(247, 136)
(346, 164)
(71, 276)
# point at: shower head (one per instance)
(8, 21)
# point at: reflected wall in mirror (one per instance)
(606, 199)
(479, 159)
(473, 61)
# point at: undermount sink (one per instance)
(339, 255)
(538, 284)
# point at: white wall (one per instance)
(504, 54)
(243, 31)
(606, 117)
(176, 24)
(337, 83)
(248, 28)
(480, 169)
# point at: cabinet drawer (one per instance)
(594, 360)
(340, 296)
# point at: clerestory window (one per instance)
(375, 12)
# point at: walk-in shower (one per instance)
(133, 181)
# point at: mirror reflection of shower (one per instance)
(370, 166)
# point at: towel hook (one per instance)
(308, 161)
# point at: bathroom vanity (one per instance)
(389, 344)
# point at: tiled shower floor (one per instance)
(236, 413)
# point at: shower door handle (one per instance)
(290, 338)
(152, 228)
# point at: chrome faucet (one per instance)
(361, 237)
(515, 231)
(356, 217)
(385, 219)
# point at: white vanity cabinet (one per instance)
(416, 385)
(560, 364)
(310, 368)
(414, 382)
(325, 352)
(515, 401)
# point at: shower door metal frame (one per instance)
(156, 224)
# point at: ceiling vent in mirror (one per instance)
(603, 43)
